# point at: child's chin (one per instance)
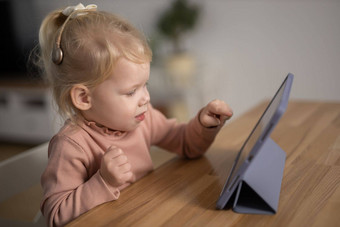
(133, 127)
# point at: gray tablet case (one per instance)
(254, 184)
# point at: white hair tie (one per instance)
(80, 7)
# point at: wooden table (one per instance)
(183, 192)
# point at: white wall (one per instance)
(246, 47)
(255, 44)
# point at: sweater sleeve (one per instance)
(69, 190)
(189, 140)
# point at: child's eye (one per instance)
(131, 93)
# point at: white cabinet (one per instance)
(26, 114)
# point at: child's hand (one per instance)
(115, 168)
(215, 114)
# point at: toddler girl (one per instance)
(98, 66)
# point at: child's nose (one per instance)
(145, 98)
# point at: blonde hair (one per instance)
(92, 43)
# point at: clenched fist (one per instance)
(115, 168)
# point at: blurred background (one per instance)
(238, 51)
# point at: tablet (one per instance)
(259, 142)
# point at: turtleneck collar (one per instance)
(101, 129)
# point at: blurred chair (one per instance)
(20, 190)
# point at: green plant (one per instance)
(180, 18)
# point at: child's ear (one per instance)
(80, 96)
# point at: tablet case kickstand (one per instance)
(259, 190)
